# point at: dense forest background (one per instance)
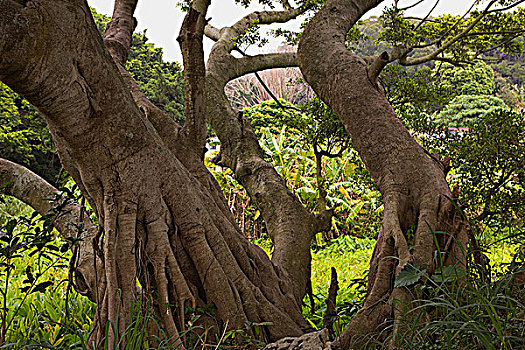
(471, 113)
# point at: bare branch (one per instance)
(506, 32)
(212, 32)
(261, 81)
(411, 6)
(421, 19)
(427, 16)
(377, 66)
(118, 35)
(410, 61)
(251, 64)
(248, 21)
(190, 40)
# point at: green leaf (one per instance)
(449, 274)
(29, 274)
(10, 226)
(41, 287)
(410, 274)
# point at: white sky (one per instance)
(163, 19)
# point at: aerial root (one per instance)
(110, 238)
(168, 274)
(161, 282)
(182, 289)
(115, 293)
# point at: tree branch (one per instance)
(427, 16)
(212, 32)
(226, 34)
(410, 61)
(290, 226)
(119, 32)
(23, 184)
(377, 66)
(501, 9)
(190, 40)
(411, 6)
(252, 64)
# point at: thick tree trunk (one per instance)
(290, 226)
(415, 192)
(163, 223)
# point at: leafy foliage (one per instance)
(487, 162)
(489, 165)
(24, 137)
(474, 312)
(414, 92)
(474, 79)
(466, 109)
(161, 81)
(409, 275)
(496, 30)
(290, 138)
(33, 282)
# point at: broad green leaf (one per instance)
(410, 274)
(449, 274)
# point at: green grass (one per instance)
(350, 257)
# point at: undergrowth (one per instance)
(478, 313)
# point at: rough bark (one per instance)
(290, 226)
(413, 185)
(158, 222)
(190, 40)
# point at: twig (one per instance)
(428, 15)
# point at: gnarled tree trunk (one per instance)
(164, 220)
(290, 225)
(415, 193)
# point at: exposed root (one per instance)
(120, 228)
(186, 253)
(394, 249)
(167, 275)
